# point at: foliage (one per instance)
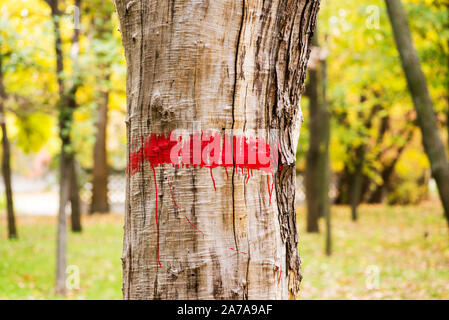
(27, 45)
(410, 184)
(366, 88)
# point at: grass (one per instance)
(390, 253)
(27, 265)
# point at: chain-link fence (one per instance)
(117, 186)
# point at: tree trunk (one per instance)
(419, 91)
(312, 178)
(317, 182)
(324, 189)
(72, 105)
(379, 193)
(66, 107)
(61, 241)
(6, 166)
(100, 170)
(75, 197)
(103, 29)
(355, 187)
(233, 69)
(61, 248)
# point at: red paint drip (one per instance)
(242, 252)
(280, 273)
(193, 225)
(157, 224)
(212, 176)
(171, 192)
(235, 152)
(270, 190)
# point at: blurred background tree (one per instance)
(375, 147)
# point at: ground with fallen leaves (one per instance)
(390, 253)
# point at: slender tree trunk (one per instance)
(72, 105)
(198, 232)
(100, 170)
(75, 197)
(419, 91)
(61, 248)
(6, 166)
(378, 195)
(313, 168)
(344, 179)
(324, 189)
(66, 106)
(103, 29)
(355, 187)
(61, 241)
(317, 183)
(72, 176)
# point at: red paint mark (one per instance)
(157, 224)
(243, 252)
(270, 190)
(202, 150)
(171, 192)
(194, 225)
(212, 176)
(168, 180)
(280, 273)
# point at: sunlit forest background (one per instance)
(391, 243)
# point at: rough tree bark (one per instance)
(227, 65)
(417, 84)
(6, 165)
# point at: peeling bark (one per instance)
(226, 65)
